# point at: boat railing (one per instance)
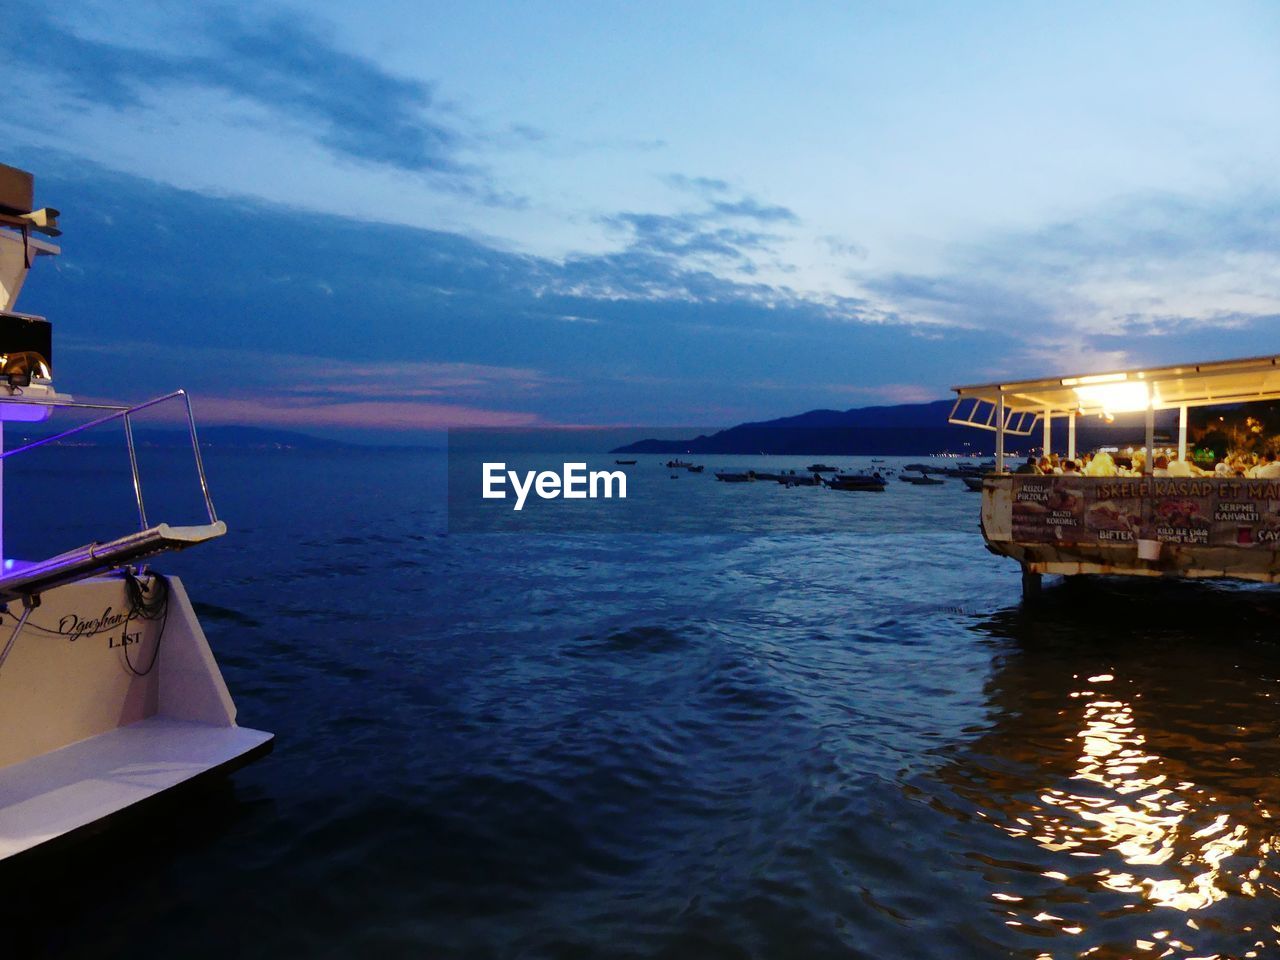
(126, 415)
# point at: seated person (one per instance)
(1184, 468)
(1029, 466)
(1101, 465)
(1160, 467)
(1069, 468)
(1269, 468)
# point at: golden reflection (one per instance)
(1150, 825)
(1147, 785)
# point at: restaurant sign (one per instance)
(1188, 511)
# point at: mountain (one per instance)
(211, 436)
(909, 429)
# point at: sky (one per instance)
(380, 219)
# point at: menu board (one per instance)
(1189, 511)
(1048, 509)
(1181, 510)
(1247, 513)
(1113, 510)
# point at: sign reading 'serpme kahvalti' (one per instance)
(1189, 511)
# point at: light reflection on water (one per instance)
(1134, 776)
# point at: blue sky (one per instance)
(413, 215)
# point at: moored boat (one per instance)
(856, 482)
(98, 713)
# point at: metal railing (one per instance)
(121, 413)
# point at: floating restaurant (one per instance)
(1168, 516)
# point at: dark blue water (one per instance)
(850, 743)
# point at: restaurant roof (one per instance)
(1120, 391)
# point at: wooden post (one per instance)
(1000, 434)
(1149, 463)
(1071, 436)
(1048, 430)
(1182, 432)
(1030, 583)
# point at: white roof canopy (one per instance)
(1122, 391)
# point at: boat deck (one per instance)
(66, 790)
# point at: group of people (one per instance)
(1101, 464)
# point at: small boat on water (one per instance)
(926, 481)
(821, 468)
(625, 463)
(678, 464)
(919, 467)
(800, 480)
(856, 482)
(973, 483)
(692, 469)
(747, 477)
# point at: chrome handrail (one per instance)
(122, 413)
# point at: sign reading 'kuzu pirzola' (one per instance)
(1189, 511)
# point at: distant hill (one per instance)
(211, 436)
(238, 436)
(908, 429)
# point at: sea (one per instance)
(731, 735)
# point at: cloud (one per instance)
(699, 185)
(889, 392)
(304, 316)
(840, 247)
(292, 390)
(360, 414)
(288, 64)
(1147, 278)
(689, 254)
(689, 235)
(749, 209)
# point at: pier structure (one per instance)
(1173, 521)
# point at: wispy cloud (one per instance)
(749, 209)
(293, 66)
(361, 414)
(396, 315)
(297, 390)
(1147, 277)
(713, 251)
(698, 185)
